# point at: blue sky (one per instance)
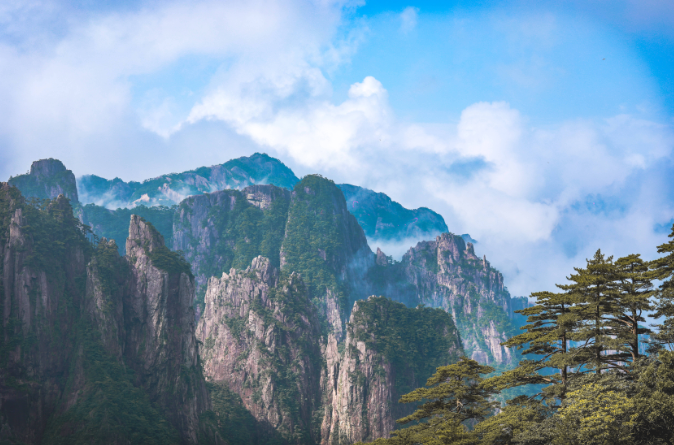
(543, 129)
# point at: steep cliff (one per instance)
(388, 351)
(262, 341)
(261, 337)
(160, 341)
(43, 263)
(325, 244)
(221, 230)
(47, 179)
(94, 348)
(447, 274)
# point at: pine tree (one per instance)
(453, 396)
(663, 269)
(595, 295)
(551, 322)
(634, 287)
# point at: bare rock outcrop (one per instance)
(47, 179)
(389, 350)
(261, 338)
(447, 274)
(160, 336)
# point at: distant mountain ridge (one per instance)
(384, 219)
(381, 218)
(172, 188)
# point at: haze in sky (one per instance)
(543, 129)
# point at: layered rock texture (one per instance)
(94, 348)
(262, 330)
(447, 274)
(221, 230)
(308, 231)
(47, 179)
(389, 350)
(261, 337)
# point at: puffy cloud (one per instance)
(73, 83)
(103, 92)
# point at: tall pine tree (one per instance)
(635, 290)
(663, 269)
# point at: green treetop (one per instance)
(454, 396)
(663, 269)
(551, 322)
(596, 347)
(632, 281)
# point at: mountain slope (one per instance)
(447, 274)
(383, 219)
(94, 348)
(172, 188)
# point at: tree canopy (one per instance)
(591, 379)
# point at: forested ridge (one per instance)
(594, 373)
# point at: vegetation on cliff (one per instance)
(315, 237)
(61, 380)
(415, 341)
(114, 224)
(604, 388)
(108, 407)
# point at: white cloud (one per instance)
(71, 83)
(71, 91)
(315, 133)
(408, 19)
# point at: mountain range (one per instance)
(230, 304)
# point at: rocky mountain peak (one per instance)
(262, 196)
(142, 237)
(47, 179)
(381, 260)
(47, 167)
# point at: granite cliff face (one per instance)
(47, 179)
(37, 287)
(262, 340)
(388, 351)
(308, 231)
(94, 348)
(277, 275)
(447, 274)
(260, 337)
(160, 340)
(221, 230)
